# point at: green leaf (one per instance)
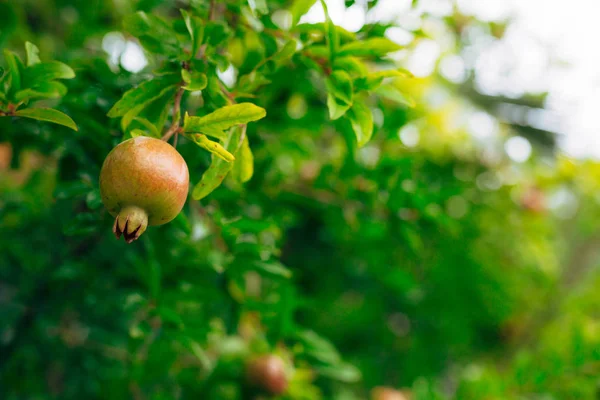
(224, 118)
(336, 108)
(342, 372)
(137, 132)
(194, 80)
(273, 268)
(143, 94)
(46, 71)
(376, 47)
(149, 126)
(251, 82)
(319, 348)
(215, 93)
(374, 80)
(43, 90)
(49, 115)
(169, 315)
(156, 111)
(219, 168)
(299, 8)
(14, 72)
(394, 73)
(332, 34)
(32, 54)
(214, 147)
(286, 52)
(156, 35)
(321, 27)
(243, 166)
(317, 51)
(391, 92)
(368, 83)
(215, 33)
(196, 31)
(361, 118)
(252, 19)
(258, 6)
(351, 65)
(339, 84)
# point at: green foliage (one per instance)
(23, 84)
(315, 229)
(215, 123)
(47, 114)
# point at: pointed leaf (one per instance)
(137, 132)
(153, 132)
(368, 83)
(194, 80)
(219, 168)
(299, 8)
(252, 19)
(46, 71)
(196, 31)
(49, 115)
(361, 118)
(155, 111)
(374, 80)
(393, 73)
(243, 166)
(273, 268)
(332, 34)
(145, 93)
(213, 147)
(342, 372)
(252, 81)
(224, 118)
(32, 53)
(215, 33)
(43, 90)
(351, 65)
(376, 47)
(156, 35)
(15, 67)
(339, 85)
(258, 6)
(391, 92)
(336, 108)
(286, 52)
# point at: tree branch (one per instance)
(176, 116)
(211, 10)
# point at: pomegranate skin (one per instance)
(387, 393)
(143, 181)
(267, 373)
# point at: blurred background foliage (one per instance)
(437, 258)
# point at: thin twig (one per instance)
(176, 116)
(211, 10)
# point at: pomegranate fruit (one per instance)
(143, 181)
(387, 393)
(268, 373)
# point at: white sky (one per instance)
(562, 32)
